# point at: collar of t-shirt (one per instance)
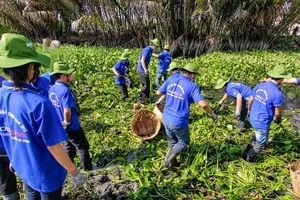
(58, 82)
(10, 86)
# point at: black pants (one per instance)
(123, 90)
(77, 140)
(242, 119)
(8, 182)
(145, 90)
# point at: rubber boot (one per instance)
(249, 155)
(171, 155)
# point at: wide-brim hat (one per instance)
(155, 42)
(124, 56)
(172, 66)
(61, 68)
(220, 83)
(167, 47)
(127, 51)
(191, 67)
(17, 50)
(279, 72)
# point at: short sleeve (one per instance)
(67, 99)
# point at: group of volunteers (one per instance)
(31, 137)
(262, 105)
(35, 118)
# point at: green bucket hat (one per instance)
(124, 56)
(279, 72)
(62, 68)
(172, 66)
(220, 83)
(155, 42)
(127, 51)
(191, 67)
(17, 50)
(167, 47)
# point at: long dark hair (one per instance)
(19, 74)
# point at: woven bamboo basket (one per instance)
(295, 176)
(158, 110)
(145, 124)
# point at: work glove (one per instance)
(221, 103)
(65, 124)
(77, 178)
(160, 100)
(277, 120)
(214, 116)
(147, 72)
(237, 113)
(11, 168)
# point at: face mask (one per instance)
(70, 77)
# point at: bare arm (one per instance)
(239, 101)
(250, 103)
(278, 112)
(159, 93)
(62, 158)
(224, 98)
(67, 114)
(205, 107)
(143, 62)
(290, 81)
(115, 71)
(155, 55)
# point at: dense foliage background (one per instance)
(211, 166)
(191, 27)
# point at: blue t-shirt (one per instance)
(164, 61)
(1, 79)
(266, 96)
(147, 53)
(180, 92)
(61, 96)
(27, 129)
(42, 85)
(120, 68)
(127, 63)
(233, 89)
(51, 78)
(298, 80)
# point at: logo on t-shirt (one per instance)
(54, 100)
(175, 91)
(261, 96)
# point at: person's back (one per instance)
(233, 89)
(27, 135)
(266, 96)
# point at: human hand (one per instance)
(159, 101)
(77, 178)
(65, 124)
(237, 112)
(214, 116)
(277, 120)
(147, 72)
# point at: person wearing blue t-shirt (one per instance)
(165, 59)
(64, 102)
(41, 85)
(143, 70)
(264, 104)
(8, 181)
(31, 136)
(120, 73)
(241, 93)
(51, 78)
(128, 80)
(180, 93)
(173, 69)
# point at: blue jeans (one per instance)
(178, 137)
(260, 140)
(32, 194)
(159, 78)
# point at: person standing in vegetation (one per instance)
(143, 70)
(241, 93)
(180, 93)
(31, 136)
(120, 73)
(264, 104)
(165, 59)
(64, 102)
(128, 80)
(8, 181)
(173, 69)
